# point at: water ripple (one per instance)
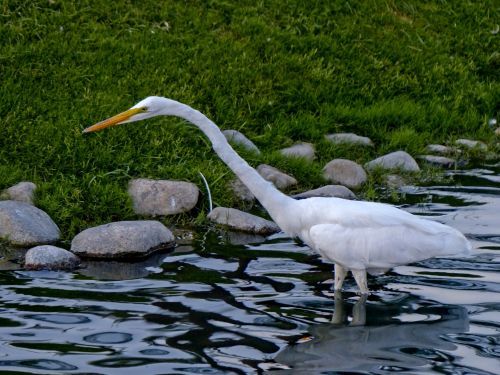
(214, 307)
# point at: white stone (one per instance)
(349, 138)
(468, 143)
(22, 224)
(345, 172)
(162, 197)
(399, 160)
(337, 191)
(122, 239)
(242, 221)
(241, 191)
(279, 179)
(439, 149)
(439, 161)
(394, 181)
(51, 258)
(22, 192)
(235, 137)
(299, 150)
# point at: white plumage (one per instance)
(357, 236)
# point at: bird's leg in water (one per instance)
(359, 311)
(360, 277)
(340, 274)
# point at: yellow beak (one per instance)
(115, 120)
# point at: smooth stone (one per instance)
(122, 239)
(439, 161)
(242, 221)
(241, 191)
(234, 136)
(349, 138)
(22, 192)
(299, 150)
(279, 179)
(394, 181)
(337, 191)
(48, 257)
(162, 197)
(439, 149)
(345, 172)
(469, 143)
(398, 160)
(22, 224)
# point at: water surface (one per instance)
(218, 305)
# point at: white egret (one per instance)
(357, 236)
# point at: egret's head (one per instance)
(146, 108)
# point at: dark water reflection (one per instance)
(212, 307)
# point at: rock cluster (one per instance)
(24, 225)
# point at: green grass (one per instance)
(402, 73)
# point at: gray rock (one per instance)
(242, 221)
(399, 160)
(438, 161)
(122, 239)
(21, 192)
(345, 172)
(439, 149)
(394, 181)
(349, 138)
(337, 191)
(235, 137)
(50, 257)
(279, 179)
(299, 150)
(241, 191)
(22, 224)
(162, 197)
(468, 143)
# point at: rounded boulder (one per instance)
(122, 239)
(22, 224)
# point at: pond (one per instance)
(223, 303)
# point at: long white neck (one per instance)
(273, 200)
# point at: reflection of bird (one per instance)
(353, 347)
(357, 236)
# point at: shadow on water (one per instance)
(230, 304)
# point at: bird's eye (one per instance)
(144, 109)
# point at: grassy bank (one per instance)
(279, 71)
